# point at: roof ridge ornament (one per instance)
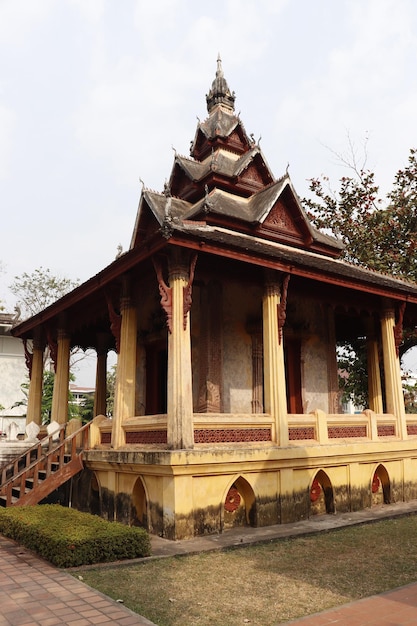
(220, 93)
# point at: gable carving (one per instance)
(252, 173)
(235, 139)
(280, 219)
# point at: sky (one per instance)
(95, 96)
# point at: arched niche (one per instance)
(380, 486)
(139, 510)
(239, 505)
(321, 497)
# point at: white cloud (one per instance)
(19, 17)
(7, 126)
(363, 84)
(145, 98)
(92, 10)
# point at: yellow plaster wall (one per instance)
(186, 490)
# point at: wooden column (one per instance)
(179, 397)
(34, 410)
(124, 397)
(392, 371)
(255, 331)
(59, 412)
(275, 395)
(100, 404)
(374, 372)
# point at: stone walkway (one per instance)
(34, 593)
(394, 608)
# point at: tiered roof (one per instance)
(227, 182)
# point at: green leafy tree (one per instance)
(353, 374)
(410, 398)
(378, 233)
(86, 408)
(111, 384)
(47, 395)
(48, 391)
(35, 291)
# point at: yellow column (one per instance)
(59, 411)
(374, 372)
(101, 379)
(124, 397)
(393, 384)
(180, 433)
(374, 377)
(35, 388)
(274, 370)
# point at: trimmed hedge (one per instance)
(69, 538)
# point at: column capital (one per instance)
(388, 313)
(62, 333)
(38, 343)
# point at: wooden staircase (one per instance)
(44, 467)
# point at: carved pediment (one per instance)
(282, 220)
(252, 174)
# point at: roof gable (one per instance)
(283, 219)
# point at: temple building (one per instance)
(225, 314)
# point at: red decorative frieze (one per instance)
(229, 435)
(146, 436)
(344, 432)
(388, 430)
(411, 429)
(300, 433)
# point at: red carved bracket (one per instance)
(398, 328)
(282, 307)
(115, 322)
(53, 348)
(28, 357)
(165, 293)
(187, 290)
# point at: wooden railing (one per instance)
(44, 467)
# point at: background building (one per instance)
(13, 372)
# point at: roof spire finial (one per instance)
(219, 72)
(220, 92)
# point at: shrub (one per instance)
(69, 538)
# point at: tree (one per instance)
(47, 395)
(353, 375)
(86, 408)
(379, 234)
(110, 386)
(36, 291)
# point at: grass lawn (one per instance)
(266, 584)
